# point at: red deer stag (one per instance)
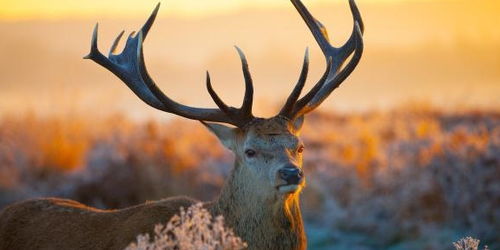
(260, 199)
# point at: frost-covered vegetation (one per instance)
(468, 243)
(193, 228)
(411, 178)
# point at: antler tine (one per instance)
(216, 97)
(130, 67)
(246, 107)
(300, 107)
(94, 51)
(338, 56)
(320, 34)
(316, 28)
(241, 116)
(294, 96)
(149, 23)
(356, 15)
(348, 47)
(332, 84)
(112, 50)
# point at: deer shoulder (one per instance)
(66, 224)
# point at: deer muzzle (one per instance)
(292, 175)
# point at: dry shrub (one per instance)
(467, 243)
(193, 229)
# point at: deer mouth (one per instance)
(288, 189)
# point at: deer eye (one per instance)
(250, 153)
(300, 149)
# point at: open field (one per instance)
(410, 178)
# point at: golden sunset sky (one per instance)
(444, 52)
(55, 9)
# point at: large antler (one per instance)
(335, 58)
(129, 66)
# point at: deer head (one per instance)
(268, 150)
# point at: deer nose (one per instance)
(291, 174)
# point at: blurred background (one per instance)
(404, 155)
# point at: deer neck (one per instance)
(264, 223)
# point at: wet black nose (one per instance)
(292, 175)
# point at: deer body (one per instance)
(260, 199)
(261, 220)
(64, 224)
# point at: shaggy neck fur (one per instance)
(263, 221)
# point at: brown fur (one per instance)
(249, 201)
(64, 224)
(275, 223)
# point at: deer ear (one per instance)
(226, 135)
(297, 123)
